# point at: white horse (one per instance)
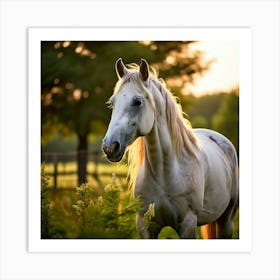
(190, 176)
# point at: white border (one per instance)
(262, 16)
(243, 36)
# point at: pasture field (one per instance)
(103, 209)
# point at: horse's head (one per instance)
(133, 110)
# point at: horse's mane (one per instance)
(180, 128)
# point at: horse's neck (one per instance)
(159, 152)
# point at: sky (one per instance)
(223, 74)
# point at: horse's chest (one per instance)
(170, 199)
(166, 212)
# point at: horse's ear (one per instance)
(120, 68)
(144, 69)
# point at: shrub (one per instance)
(111, 215)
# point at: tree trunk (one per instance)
(82, 158)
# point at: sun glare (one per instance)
(223, 74)
(66, 44)
(77, 93)
(170, 59)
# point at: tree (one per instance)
(202, 106)
(226, 120)
(77, 79)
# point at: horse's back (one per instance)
(220, 140)
(220, 164)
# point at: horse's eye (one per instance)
(136, 102)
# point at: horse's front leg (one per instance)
(188, 227)
(146, 231)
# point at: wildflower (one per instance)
(152, 209)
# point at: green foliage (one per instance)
(201, 109)
(58, 143)
(199, 122)
(226, 120)
(168, 233)
(48, 228)
(45, 206)
(219, 112)
(111, 215)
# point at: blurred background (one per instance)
(77, 78)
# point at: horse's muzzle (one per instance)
(112, 150)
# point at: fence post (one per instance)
(55, 173)
(96, 161)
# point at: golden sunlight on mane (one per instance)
(136, 155)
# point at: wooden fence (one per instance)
(55, 159)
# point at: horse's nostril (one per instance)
(112, 149)
(116, 147)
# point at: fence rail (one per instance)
(55, 159)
